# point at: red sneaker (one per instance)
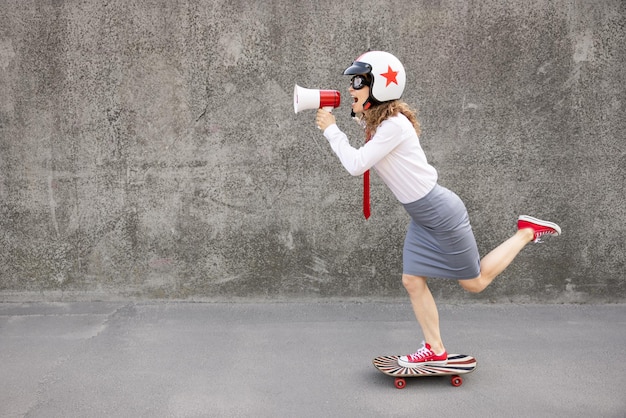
(539, 227)
(424, 357)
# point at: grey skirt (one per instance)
(440, 242)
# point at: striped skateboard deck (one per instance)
(457, 364)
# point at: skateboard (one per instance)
(458, 364)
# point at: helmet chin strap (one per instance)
(370, 102)
(366, 106)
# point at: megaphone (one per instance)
(304, 99)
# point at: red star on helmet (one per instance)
(390, 75)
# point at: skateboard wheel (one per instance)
(400, 383)
(456, 381)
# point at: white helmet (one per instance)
(387, 73)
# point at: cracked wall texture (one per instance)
(149, 149)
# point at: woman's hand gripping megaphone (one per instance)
(324, 119)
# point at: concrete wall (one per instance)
(149, 148)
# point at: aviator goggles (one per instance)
(359, 81)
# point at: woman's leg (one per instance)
(425, 310)
(528, 229)
(491, 265)
(497, 260)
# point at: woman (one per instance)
(439, 241)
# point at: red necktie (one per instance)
(366, 194)
(366, 188)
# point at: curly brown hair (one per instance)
(377, 114)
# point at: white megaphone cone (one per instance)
(304, 99)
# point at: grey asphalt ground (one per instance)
(159, 359)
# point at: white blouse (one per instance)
(394, 152)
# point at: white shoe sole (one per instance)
(541, 222)
(417, 365)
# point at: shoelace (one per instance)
(539, 234)
(422, 353)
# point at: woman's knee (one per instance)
(472, 285)
(413, 284)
